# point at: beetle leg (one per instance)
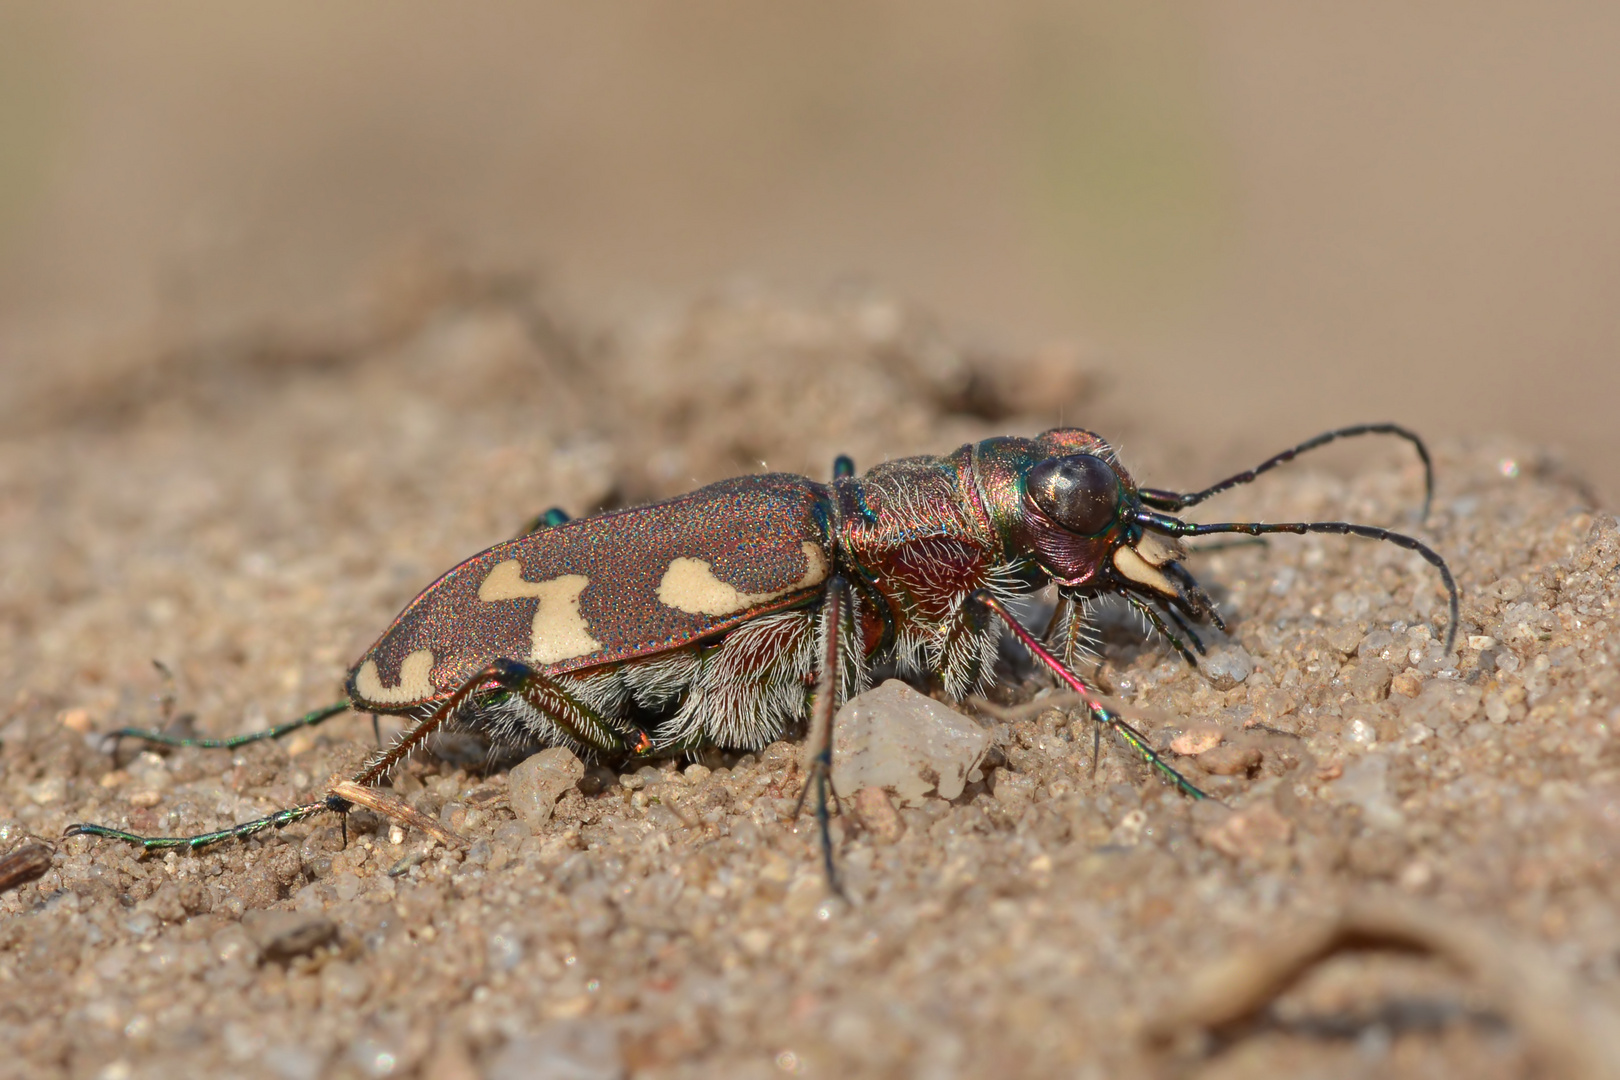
(1100, 714)
(507, 673)
(577, 720)
(309, 719)
(548, 520)
(818, 763)
(504, 674)
(843, 467)
(1151, 614)
(1194, 600)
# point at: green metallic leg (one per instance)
(160, 738)
(504, 674)
(1100, 715)
(548, 520)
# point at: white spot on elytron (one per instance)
(559, 631)
(1139, 570)
(689, 585)
(414, 684)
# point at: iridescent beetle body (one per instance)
(701, 611)
(720, 617)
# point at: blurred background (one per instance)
(1254, 219)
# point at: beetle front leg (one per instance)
(1100, 714)
(818, 748)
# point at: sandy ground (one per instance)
(252, 510)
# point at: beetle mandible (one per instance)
(723, 617)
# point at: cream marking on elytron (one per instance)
(559, 631)
(689, 585)
(414, 684)
(1139, 570)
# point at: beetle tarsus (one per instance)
(1156, 620)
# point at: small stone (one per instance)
(1197, 740)
(1360, 733)
(1365, 783)
(535, 784)
(579, 1049)
(1407, 684)
(1506, 589)
(284, 935)
(76, 720)
(878, 814)
(1370, 680)
(1012, 788)
(47, 791)
(1227, 665)
(1229, 760)
(1377, 854)
(343, 983)
(1417, 876)
(1344, 638)
(895, 738)
(145, 800)
(1441, 700)
(1249, 833)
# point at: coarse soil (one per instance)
(250, 510)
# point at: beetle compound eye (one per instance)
(1080, 492)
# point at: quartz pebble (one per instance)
(895, 738)
(1227, 665)
(1196, 740)
(536, 783)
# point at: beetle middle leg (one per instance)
(818, 756)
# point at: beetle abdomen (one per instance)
(607, 589)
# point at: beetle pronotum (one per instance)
(723, 616)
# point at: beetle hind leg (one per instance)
(163, 738)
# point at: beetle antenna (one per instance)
(1160, 499)
(1175, 527)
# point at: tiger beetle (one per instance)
(725, 616)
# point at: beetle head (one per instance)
(1079, 516)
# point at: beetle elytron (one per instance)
(719, 617)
